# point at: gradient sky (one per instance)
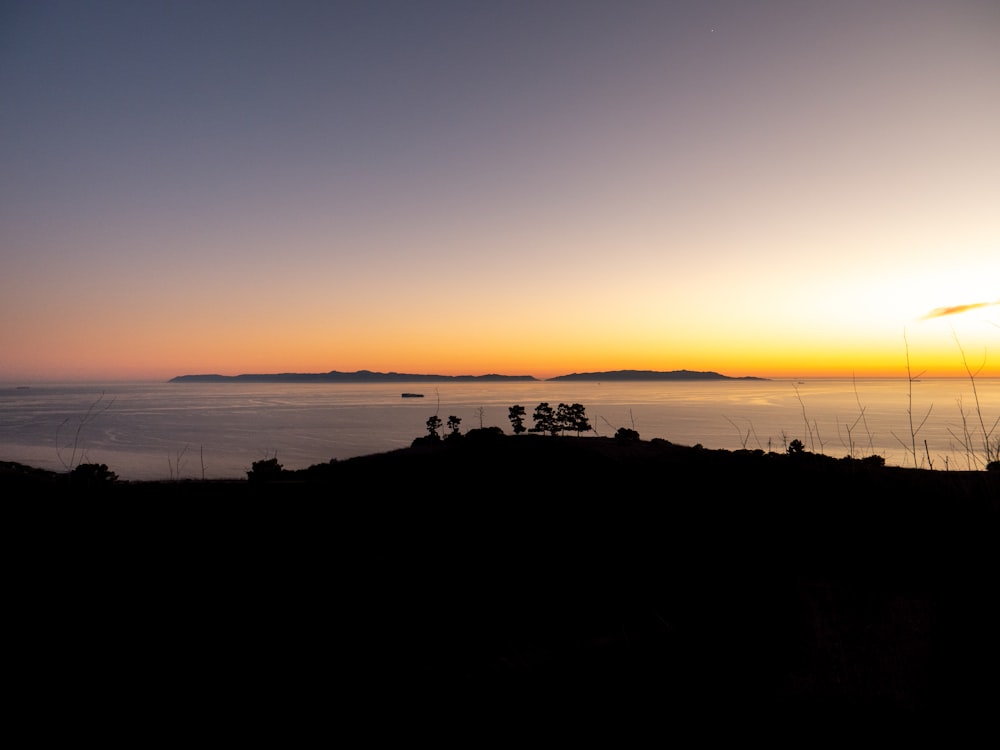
(758, 188)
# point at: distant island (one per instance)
(635, 375)
(361, 376)
(367, 376)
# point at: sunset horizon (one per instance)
(757, 189)
(922, 369)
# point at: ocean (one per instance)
(155, 431)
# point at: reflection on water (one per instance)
(170, 430)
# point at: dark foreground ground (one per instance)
(503, 576)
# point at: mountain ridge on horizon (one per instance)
(368, 376)
(639, 375)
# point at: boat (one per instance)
(413, 395)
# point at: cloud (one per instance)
(940, 312)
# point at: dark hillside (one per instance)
(537, 566)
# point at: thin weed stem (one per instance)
(805, 419)
(864, 419)
(739, 431)
(910, 380)
(93, 411)
(991, 453)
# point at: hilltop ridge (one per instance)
(489, 565)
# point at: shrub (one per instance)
(484, 434)
(625, 435)
(92, 475)
(264, 471)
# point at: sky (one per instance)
(772, 188)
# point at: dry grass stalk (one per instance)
(911, 379)
(95, 410)
(990, 450)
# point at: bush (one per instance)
(484, 434)
(92, 475)
(264, 471)
(625, 435)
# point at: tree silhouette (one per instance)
(545, 419)
(573, 417)
(580, 421)
(453, 423)
(433, 425)
(516, 416)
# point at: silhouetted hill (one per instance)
(464, 573)
(361, 376)
(637, 375)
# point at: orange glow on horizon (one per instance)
(938, 363)
(139, 347)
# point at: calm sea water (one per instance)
(189, 430)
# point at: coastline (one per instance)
(163, 431)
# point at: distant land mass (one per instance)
(367, 376)
(633, 375)
(361, 376)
